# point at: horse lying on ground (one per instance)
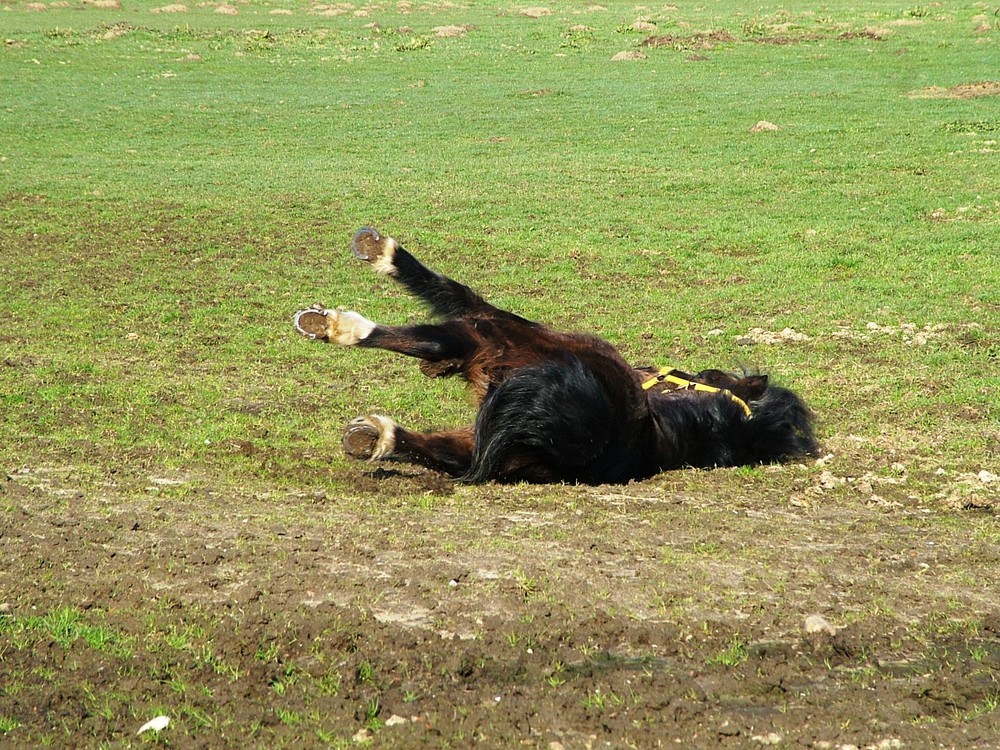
(554, 407)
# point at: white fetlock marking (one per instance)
(347, 328)
(386, 263)
(386, 443)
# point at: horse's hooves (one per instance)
(368, 244)
(360, 438)
(312, 323)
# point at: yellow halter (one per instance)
(682, 382)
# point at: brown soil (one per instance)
(411, 612)
(710, 39)
(959, 91)
(453, 30)
(703, 40)
(535, 12)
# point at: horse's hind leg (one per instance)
(375, 437)
(446, 297)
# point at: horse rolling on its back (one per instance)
(553, 406)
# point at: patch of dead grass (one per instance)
(763, 126)
(453, 30)
(972, 90)
(535, 12)
(629, 55)
(337, 9)
(700, 40)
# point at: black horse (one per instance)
(555, 407)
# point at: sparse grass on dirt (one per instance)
(811, 191)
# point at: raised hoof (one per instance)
(344, 327)
(368, 244)
(312, 323)
(361, 438)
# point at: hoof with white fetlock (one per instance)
(342, 327)
(370, 246)
(369, 438)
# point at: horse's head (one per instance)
(747, 388)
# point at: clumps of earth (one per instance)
(535, 12)
(972, 491)
(893, 487)
(760, 336)
(453, 30)
(629, 55)
(763, 126)
(972, 90)
(908, 333)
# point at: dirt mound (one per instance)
(959, 91)
(535, 12)
(761, 336)
(629, 55)
(412, 619)
(453, 30)
(702, 40)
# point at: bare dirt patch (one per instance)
(702, 40)
(761, 336)
(782, 40)
(629, 55)
(763, 126)
(535, 12)
(874, 34)
(959, 91)
(113, 31)
(453, 30)
(414, 612)
(708, 40)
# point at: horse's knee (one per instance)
(370, 438)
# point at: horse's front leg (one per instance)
(435, 343)
(375, 437)
(342, 327)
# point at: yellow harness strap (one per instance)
(682, 381)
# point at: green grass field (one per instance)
(175, 184)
